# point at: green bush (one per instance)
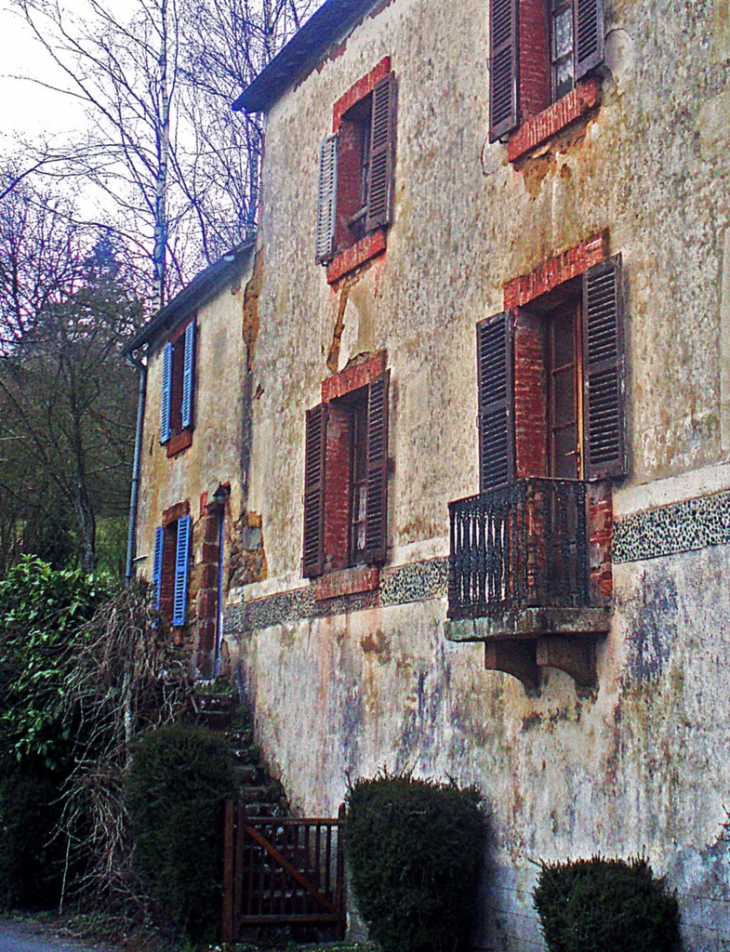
(179, 778)
(602, 905)
(413, 848)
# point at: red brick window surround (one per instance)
(356, 174)
(345, 496)
(543, 59)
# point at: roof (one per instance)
(201, 289)
(302, 53)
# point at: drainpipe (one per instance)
(140, 365)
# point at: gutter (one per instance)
(139, 364)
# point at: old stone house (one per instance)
(474, 449)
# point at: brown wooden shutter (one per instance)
(314, 491)
(603, 353)
(327, 199)
(496, 401)
(503, 67)
(382, 154)
(376, 509)
(588, 34)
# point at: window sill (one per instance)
(362, 578)
(367, 248)
(534, 132)
(179, 442)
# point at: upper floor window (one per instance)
(178, 377)
(357, 161)
(539, 51)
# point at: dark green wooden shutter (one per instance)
(327, 199)
(382, 154)
(604, 385)
(165, 405)
(376, 508)
(182, 562)
(503, 67)
(188, 377)
(496, 401)
(588, 35)
(314, 491)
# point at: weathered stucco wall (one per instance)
(219, 444)
(640, 763)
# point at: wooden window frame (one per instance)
(357, 165)
(524, 109)
(179, 356)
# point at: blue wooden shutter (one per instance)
(327, 199)
(315, 454)
(157, 567)
(188, 377)
(376, 505)
(182, 557)
(166, 393)
(503, 67)
(588, 34)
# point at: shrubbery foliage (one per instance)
(413, 848)
(175, 789)
(603, 905)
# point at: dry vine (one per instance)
(124, 679)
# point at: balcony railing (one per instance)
(523, 546)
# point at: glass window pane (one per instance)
(563, 33)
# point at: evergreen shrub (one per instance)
(413, 849)
(175, 789)
(603, 905)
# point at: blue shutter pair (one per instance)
(182, 559)
(186, 406)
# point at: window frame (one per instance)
(179, 358)
(171, 565)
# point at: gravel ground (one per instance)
(30, 936)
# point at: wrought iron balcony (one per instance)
(520, 547)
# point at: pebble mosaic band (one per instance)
(680, 527)
(415, 582)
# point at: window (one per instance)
(539, 51)
(178, 370)
(345, 482)
(170, 568)
(551, 381)
(355, 191)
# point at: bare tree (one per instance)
(180, 169)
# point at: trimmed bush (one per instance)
(602, 905)
(413, 848)
(175, 789)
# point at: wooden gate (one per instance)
(282, 872)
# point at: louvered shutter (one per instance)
(327, 199)
(166, 393)
(182, 558)
(188, 377)
(382, 154)
(603, 355)
(588, 35)
(496, 401)
(314, 488)
(157, 567)
(503, 67)
(376, 504)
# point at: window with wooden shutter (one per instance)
(496, 401)
(314, 491)
(327, 199)
(503, 67)
(381, 155)
(188, 376)
(166, 400)
(376, 526)
(182, 560)
(603, 343)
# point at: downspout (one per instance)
(139, 364)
